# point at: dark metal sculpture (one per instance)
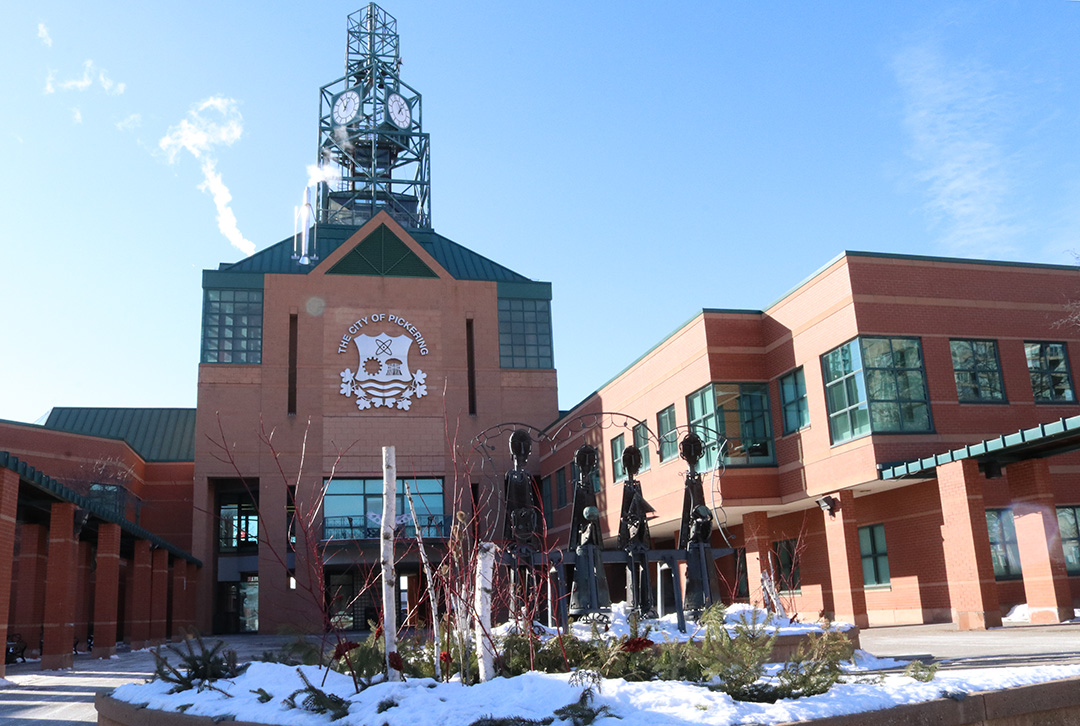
(589, 594)
(522, 519)
(695, 534)
(634, 536)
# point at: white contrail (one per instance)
(199, 134)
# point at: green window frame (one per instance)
(666, 430)
(793, 401)
(875, 555)
(618, 471)
(560, 488)
(1004, 550)
(232, 326)
(977, 371)
(525, 334)
(786, 554)
(876, 385)
(1048, 367)
(352, 508)
(744, 418)
(1069, 527)
(545, 499)
(641, 441)
(701, 414)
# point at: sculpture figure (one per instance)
(634, 536)
(522, 521)
(589, 594)
(695, 535)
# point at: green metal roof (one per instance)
(382, 254)
(461, 262)
(47, 484)
(155, 434)
(1048, 439)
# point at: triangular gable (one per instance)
(382, 254)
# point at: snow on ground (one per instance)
(1021, 614)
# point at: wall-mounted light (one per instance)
(829, 504)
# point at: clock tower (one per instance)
(373, 152)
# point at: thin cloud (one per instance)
(955, 116)
(43, 34)
(76, 115)
(90, 74)
(130, 123)
(210, 124)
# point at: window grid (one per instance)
(845, 393)
(701, 413)
(525, 333)
(665, 428)
(875, 555)
(743, 418)
(977, 370)
(232, 326)
(618, 471)
(793, 401)
(641, 441)
(1004, 550)
(1069, 527)
(1048, 366)
(560, 488)
(788, 578)
(895, 384)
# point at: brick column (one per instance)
(139, 587)
(84, 595)
(968, 568)
(178, 599)
(60, 575)
(1042, 559)
(757, 537)
(30, 587)
(9, 502)
(107, 589)
(159, 596)
(845, 561)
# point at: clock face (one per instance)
(399, 111)
(346, 107)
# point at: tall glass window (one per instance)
(977, 371)
(618, 471)
(525, 333)
(641, 441)
(238, 523)
(352, 508)
(232, 326)
(875, 556)
(743, 418)
(1048, 365)
(545, 498)
(1004, 550)
(701, 413)
(665, 429)
(793, 401)
(560, 487)
(1069, 526)
(786, 555)
(876, 384)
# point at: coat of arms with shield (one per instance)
(383, 379)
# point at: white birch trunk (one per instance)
(485, 648)
(430, 582)
(386, 554)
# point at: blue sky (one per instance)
(649, 159)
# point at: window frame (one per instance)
(787, 569)
(872, 556)
(525, 334)
(1045, 370)
(669, 440)
(1072, 542)
(618, 471)
(228, 320)
(745, 414)
(641, 441)
(998, 537)
(797, 406)
(974, 370)
(560, 487)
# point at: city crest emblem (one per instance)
(383, 378)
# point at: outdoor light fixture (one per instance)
(829, 504)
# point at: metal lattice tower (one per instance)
(373, 152)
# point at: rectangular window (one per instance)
(977, 371)
(232, 326)
(701, 413)
(641, 441)
(1003, 548)
(293, 341)
(352, 509)
(875, 556)
(785, 553)
(238, 523)
(525, 333)
(545, 498)
(743, 418)
(665, 429)
(560, 487)
(793, 401)
(1048, 365)
(878, 385)
(618, 471)
(470, 363)
(742, 580)
(1069, 527)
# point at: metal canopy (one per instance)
(1049, 439)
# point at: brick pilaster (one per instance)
(845, 561)
(84, 594)
(178, 600)
(106, 589)
(970, 571)
(159, 595)
(60, 580)
(30, 588)
(757, 538)
(139, 586)
(9, 502)
(191, 600)
(1042, 559)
